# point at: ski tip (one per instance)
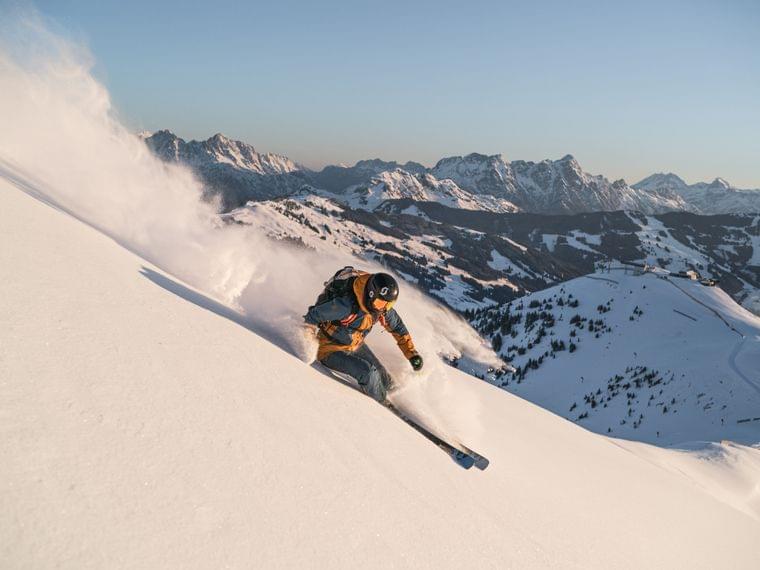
(481, 462)
(463, 460)
(477, 460)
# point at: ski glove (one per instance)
(416, 361)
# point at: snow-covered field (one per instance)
(158, 409)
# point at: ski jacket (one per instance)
(345, 321)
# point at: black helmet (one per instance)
(381, 286)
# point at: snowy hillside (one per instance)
(461, 267)
(144, 427)
(724, 247)
(645, 357)
(472, 259)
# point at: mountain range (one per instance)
(472, 259)
(477, 231)
(238, 173)
(716, 197)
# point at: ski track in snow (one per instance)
(732, 362)
(740, 343)
(712, 310)
(602, 279)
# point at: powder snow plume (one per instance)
(62, 141)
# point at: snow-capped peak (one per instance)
(721, 183)
(549, 186)
(219, 149)
(660, 181)
(716, 197)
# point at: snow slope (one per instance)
(143, 427)
(646, 357)
(324, 225)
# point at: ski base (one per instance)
(461, 455)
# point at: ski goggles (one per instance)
(381, 304)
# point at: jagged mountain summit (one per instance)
(220, 150)
(550, 186)
(231, 170)
(337, 179)
(662, 181)
(716, 197)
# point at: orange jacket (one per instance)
(344, 322)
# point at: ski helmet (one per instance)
(382, 286)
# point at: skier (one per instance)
(352, 302)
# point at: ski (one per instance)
(460, 454)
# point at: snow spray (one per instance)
(62, 141)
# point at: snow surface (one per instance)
(144, 427)
(159, 411)
(702, 346)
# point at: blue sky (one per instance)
(629, 88)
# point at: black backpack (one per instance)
(340, 284)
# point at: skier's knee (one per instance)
(377, 392)
(362, 371)
(373, 385)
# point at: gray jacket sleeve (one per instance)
(394, 323)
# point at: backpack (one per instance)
(340, 284)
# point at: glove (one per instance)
(416, 361)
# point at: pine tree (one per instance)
(496, 342)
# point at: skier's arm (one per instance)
(334, 310)
(394, 325)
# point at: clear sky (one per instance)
(628, 88)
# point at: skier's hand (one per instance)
(416, 362)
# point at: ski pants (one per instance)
(363, 365)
